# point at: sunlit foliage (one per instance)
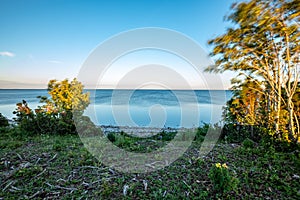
(263, 45)
(55, 116)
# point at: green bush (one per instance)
(39, 122)
(56, 115)
(222, 179)
(3, 121)
(248, 143)
(201, 132)
(164, 136)
(111, 137)
(237, 133)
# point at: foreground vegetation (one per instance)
(58, 166)
(257, 157)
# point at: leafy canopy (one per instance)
(263, 45)
(66, 96)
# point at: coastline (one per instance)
(139, 131)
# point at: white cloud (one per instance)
(6, 53)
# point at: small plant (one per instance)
(111, 137)
(201, 132)
(248, 143)
(221, 178)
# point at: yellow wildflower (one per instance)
(218, 165)
(224, 165)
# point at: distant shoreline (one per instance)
(139, 131)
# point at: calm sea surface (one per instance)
(152, 108)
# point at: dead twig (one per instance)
(20, 157)
(60, 179)
(7, 185)
(65, 188)
(52, 158)
(60, 187)
(37, 161)
(125, 188)
(91, 167)
(190, 188)
(15, 188)
(49, 184)
(96, 182)
(40, 173)
(145, 184)
(34, 195)
(165, 192)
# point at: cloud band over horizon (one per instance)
(7, 53)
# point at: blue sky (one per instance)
(45, 39)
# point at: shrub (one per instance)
(111, 137)
(56, 115)
(222, 179)
(3, 121)
(201, 132)
(39, 122)
(248, 143)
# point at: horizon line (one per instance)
(119, 89)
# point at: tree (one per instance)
(56, 115)
(264, 43)
(66, 96)
(246, 107)
(247, 99)
(67, 99)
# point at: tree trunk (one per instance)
(297, 128)
(278, 103)
(290, 91)
(291, 118)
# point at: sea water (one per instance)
(149, 108)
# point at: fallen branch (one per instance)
(34, 195)
(15, 188)
(40, 173)
(7, 185)
(190, 188)
(60, 187)
(20, 157)
(65, 188)
(52, 158)
(37, 161)
(91, 167)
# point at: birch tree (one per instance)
(264, 43)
